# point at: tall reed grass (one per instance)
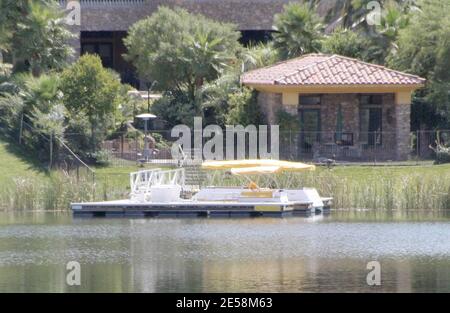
(394, 191)
(58, 190)
(413, 191)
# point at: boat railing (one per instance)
(142, 181)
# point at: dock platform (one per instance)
(191, 209)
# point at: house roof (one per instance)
(328, 70)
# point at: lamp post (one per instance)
(146, 117)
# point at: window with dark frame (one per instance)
(371, 100)
(310, 99)
(370, 120)
(310, 127)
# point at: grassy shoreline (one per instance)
(25, 186)
(405, 188)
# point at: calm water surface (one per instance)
(232, 255)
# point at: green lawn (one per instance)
(14, 164)
(362, 172)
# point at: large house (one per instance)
(104, 24)
(346, 108)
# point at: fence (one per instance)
(53, 150)
(128, 148)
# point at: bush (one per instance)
(11, 107)
(176, 108)
(347, 43)
(161, 143)
(244, 109)
(287, 122)
(102, 157)
(92, 95)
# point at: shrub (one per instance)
(176, 108)
(91, 95)
(101, 157)
(347, 43)
(244, 109)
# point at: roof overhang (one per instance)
(335, 88)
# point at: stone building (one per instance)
(346, 108)
(104, 24)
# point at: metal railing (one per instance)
(142, 181)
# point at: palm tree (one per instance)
(11, 12)
(42, 37)
(298, 30)
(351, 14)
(260, 55)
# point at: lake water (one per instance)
(323, 254)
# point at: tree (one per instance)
(41, 38)
(298, 30)
(424, 50)
(383, 37)
(43, 104)
(11, 12)
(347, 43)
(180, 50)
(257, 56)
(91, 95)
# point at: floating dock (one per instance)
(192, 209)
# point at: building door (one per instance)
(309, 129)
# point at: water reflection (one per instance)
(234, 255)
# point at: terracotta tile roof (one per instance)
(322, 69)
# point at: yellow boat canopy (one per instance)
(257, 166)
(255, 170)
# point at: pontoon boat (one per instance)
(157, 192)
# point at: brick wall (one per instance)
(403, 130)
(395, 122)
